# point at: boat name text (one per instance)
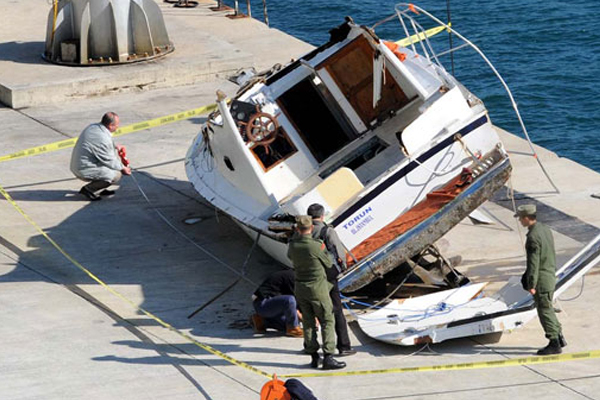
(361, 220)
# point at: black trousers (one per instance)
(341, 327)
(95, 186)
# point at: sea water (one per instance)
(547, 51)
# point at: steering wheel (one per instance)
(262, 128)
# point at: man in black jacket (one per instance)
(337, 254)
(275, 305)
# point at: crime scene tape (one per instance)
(140, 126)
(184, 335)
(418, 37)
(460, 367)
(593, 354)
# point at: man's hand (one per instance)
(126, 171)
(119, 147)
(532, 291)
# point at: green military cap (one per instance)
(304, 221)
(526, 210)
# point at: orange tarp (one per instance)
(434, 201)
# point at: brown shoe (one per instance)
(258, 323)
(295, 332)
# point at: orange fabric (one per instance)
(434, 201)
(274, 390)
(394, 48)
(412, 8)
(391, 45)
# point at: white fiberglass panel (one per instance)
(446, 111)
(411, 188)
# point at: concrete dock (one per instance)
(64, 336)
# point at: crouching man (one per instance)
(275, 305)
(95, 158)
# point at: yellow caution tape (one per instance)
(127, 300)
(68, 143)
(430, 368)
(461, 367)
(416, 38)
(168, 119)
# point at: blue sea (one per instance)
(547, 51)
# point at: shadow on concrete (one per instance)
(124, 242)
(46, 195)
(23, 52)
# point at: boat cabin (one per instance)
(326, 126)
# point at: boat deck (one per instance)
(66, 337)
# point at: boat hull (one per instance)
(411, 242)
(427, 232)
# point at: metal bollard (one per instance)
(220, 7)
(236, 11)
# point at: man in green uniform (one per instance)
(310, 260)
(539, 278)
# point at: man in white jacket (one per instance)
(95, 158)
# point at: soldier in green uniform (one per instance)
(539, 278)
(310, 260)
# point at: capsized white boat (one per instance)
(467, 311)
(391, 144)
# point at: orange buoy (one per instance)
(274, 390)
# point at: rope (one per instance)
(511, 194)
(228, 288)
(578, 294)
(494, 70)
(208, 253)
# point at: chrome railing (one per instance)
(403, 12)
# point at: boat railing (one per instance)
(405, 11)
(237, 13)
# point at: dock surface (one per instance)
(64, 336)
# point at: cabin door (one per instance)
(316, 119)
(352, 70)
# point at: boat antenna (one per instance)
(450, 35)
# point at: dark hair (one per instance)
(108, 119)
(316, 210)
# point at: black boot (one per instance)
(314, 363)
(91, 196)
(561, 340)
(552, 348)
(331, 363)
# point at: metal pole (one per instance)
(506, 88)
(450, 35)
(249, 8)
(265, 12)
(236, 8)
